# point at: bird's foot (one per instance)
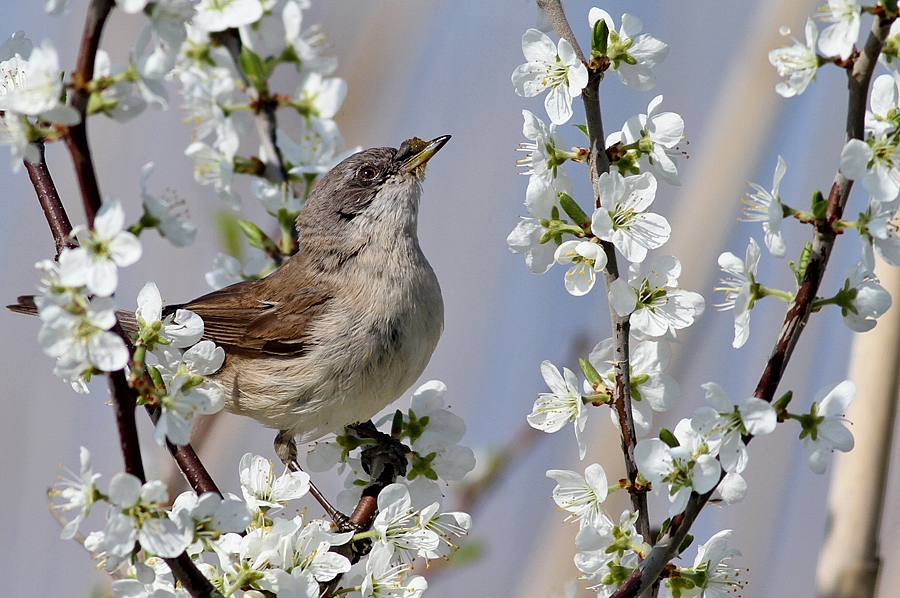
(286, 449)
(386, 458)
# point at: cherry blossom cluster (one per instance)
(705, 454)
(227, 92)
(240, 544)
(431, 431)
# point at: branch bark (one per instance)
(598, 164)
(799, 309)
(50, 201)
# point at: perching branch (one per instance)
(798, 311)
(598, 163)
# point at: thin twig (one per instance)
(77, 138)
(49, 199)
(798, 311)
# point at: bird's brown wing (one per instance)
(234, 318)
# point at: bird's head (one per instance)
(375, 190)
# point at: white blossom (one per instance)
(740, 289)
(765, 206)
(727, 423)
(526, 238)
(657, 306)
(102, 250)
(622, 217)
(549, 66)
(711, 575)
(633, 57)
(653, 136)
(876, 162)
(879, 229)
(685, 468)
(168, 215)
(839, 38)
(218, 15)
(587, 259)
(263, 490)
(563, 404)
(826, 431)
(78, 493)
(81, 340)
(544, 167)
(398, 526)
(798, 63)
(582, 496)
(180, 329)
(651, 389)
(870, 300)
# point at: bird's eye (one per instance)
(367, 173)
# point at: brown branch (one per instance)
(557, 16)
(77, 138)
(124, 402)
(49, 199)
(598, 163)
(124, 397)
(798, 311)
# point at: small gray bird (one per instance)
(350, 321)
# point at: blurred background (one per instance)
(431, 68)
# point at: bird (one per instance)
(345, 325)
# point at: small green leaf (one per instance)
(782, 403)
(805, 256)
(254, 68)
(666, 436)
(818, 204)
(257, 238)
(573, 210)
(592, 375)
(890, 6)
(599, 38)
(685, 544)
(584, 130)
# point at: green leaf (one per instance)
(666, 436)
(688, 539)
(599, 38)
(782, 403)
(592, 375)
(256, 237)
(227, 227)
(584, 130)
(818, 204)
(254, 68)
(573, 210)
(800, 269)
(890, 6)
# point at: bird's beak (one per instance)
(415, 153)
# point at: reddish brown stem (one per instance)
(49, 199)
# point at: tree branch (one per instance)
(598, 163)
(77, 139)
(798, 311)
(49, 199)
